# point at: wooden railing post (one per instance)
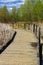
(36, 30)
(40, 48)
(33, 27)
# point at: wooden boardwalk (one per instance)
(20, 51)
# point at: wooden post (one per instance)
(33, 27)
(40, 49)
(24, 25)
(36, 30)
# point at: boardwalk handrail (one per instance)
(39, 42)
(8, 43)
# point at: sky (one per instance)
(11, 3)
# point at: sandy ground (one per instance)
(20, 51)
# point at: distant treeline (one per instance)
(31, 10)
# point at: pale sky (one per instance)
(11, 3)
